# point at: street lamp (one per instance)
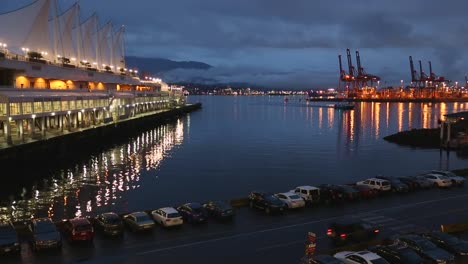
(401, 83)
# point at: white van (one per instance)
(378, 184)
(310, 194)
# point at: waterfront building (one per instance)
(58, 72)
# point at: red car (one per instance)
(366, 192)
(79, 229)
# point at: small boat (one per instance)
(344, 106)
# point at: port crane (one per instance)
(354, 80)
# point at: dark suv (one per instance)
(8, 239)
(330, 193)
(426, 249)
(110, 224)
(397, 254)
(351, 230)
(267, 202)
(45, 234)
(448, 242)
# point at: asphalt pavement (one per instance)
(254, 237)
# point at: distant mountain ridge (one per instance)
(159, 65)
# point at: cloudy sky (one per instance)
(290, 44)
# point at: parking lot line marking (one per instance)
(381, 221)
(296, 225)
(236, 236)
(302, 241)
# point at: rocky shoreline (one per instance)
(419, 138)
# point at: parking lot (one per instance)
(255, 237)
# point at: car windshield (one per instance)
(7, 232)
(379, 261)
(173, 215)
(271, 199)
(409, 256)
(113, 221)
(426, 244)
(223, 206)
(85, 227)
(385, 184)
(45, 227)
(294, 197)
(142, 218)
(448, 238)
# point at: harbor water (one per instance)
(235, 144)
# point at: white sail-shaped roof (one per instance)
(66, 23)
(89, 39)
(104, 47)
(118, 49)
(38, 38)
(27, 27)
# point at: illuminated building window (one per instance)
(91, 103)
(56, 105)
(72, 105)
(38, 107)
(27, 107)
(14, 108)
(79, 104)
(85, 103)
(3, 109)
(64, 105)
(47, 106)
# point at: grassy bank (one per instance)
(421, 138)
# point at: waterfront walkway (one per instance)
(57, 132)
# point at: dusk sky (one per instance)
(294, 44)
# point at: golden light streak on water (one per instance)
(377, 120)
(330, 117)
(400, 116)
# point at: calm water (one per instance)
(232, 146)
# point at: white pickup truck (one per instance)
(310, 194)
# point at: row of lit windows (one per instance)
(51, 106)
(55, 106)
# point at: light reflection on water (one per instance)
(234, 145)
(98, 185)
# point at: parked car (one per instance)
(395, 184)
(330, 193)
(219, 210)
(365, 191)
(456, 180)
(349, 192)
(411, 182)
(193, 213)
(167, 216)
(321, 259)
(439, 180)
(8, 238)
(397, 254)
(110, 224)
(78, 229)
(292, 200)
(375, 183)
(360, 257)
(267, 202)
(448, 242)
(139, 221)
(349, 230)
(310, 194)
(423, 182)
(45, 234)
(426, 249)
